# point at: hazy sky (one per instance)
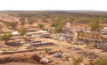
(53, 5)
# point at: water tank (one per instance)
(74, 40)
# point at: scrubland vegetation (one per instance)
(57, 19)
(92, 18)
(62, 16)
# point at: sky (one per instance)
(53, 5)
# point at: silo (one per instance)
(74, 40)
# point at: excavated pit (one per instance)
(32, 59)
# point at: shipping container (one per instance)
(38, 44)
(49, 43)
(45, 43)
(36, 41)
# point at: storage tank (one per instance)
(74, 40)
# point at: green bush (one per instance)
(22, 30)
(58, 29)
(41, 26)
(53, 24)
(6, 37)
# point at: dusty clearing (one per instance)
(56, 47)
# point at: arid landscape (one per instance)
(33, 26)
(21, 47)
(53, 32)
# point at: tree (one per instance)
(46, 51)
(22, 30)
(22, 21)
(53, 24)
(41, 26)
(13, 25)
(58, 29)
(43, 18)
(101, 61)
(6, 37)
(62, 23)
(76, 61)
(1, 27)
(77, 21)
(46, 29)
(95, 26)
(7, 24)
(31, 21)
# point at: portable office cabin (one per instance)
(56, 36)
(15, 33)
(62, 37)
(28, 35)
(45, 35)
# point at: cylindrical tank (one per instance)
(74, 40)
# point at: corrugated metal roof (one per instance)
(93, 32)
